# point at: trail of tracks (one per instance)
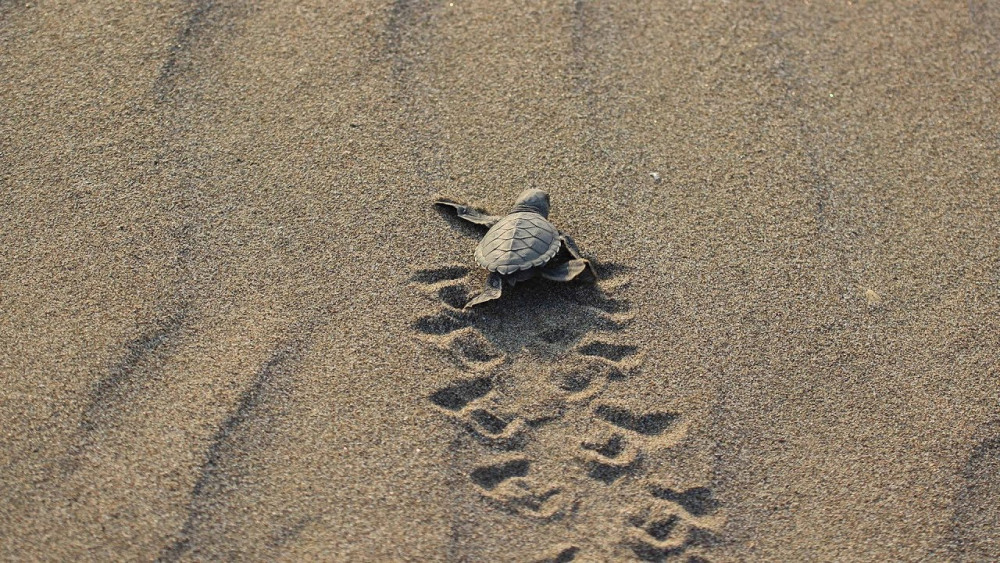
(529, 388)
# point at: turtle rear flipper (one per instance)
(468, 213)
(566, 271)
(494, 286)
(574, 251)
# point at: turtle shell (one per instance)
(519, 241)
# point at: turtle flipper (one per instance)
(468, 213)
(566, 271)
(574, 251)
(494, 286)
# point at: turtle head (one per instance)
(532, 200)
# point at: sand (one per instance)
(228, 323)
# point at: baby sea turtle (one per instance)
(521, 245)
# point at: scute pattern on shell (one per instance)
(520, 241)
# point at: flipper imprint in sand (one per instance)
(533, 371)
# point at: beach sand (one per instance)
(228, 322)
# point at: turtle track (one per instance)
(530, 383)
(675, 524)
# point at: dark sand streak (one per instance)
(974, 528)
(243, 432)
(406, 19)
(111, 396)
(127, 377)
(195, 24)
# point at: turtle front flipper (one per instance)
(494, 286)
(468, 213)
(574, 251)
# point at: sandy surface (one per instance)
(227, 322)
